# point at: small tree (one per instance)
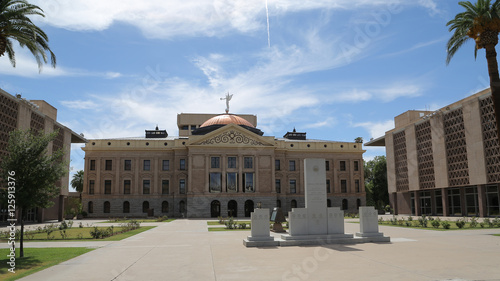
(36, 172)
(358, 140)
(77, 183)
(376, 182)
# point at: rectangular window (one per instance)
(277, 165)
(232, 182)
(342, 165)
(293, 186)
(147, 165)
(215, 162)
(128, 165)
(182, 164)
(146, 187)
(182, 186)
(215, 182)
(454, 202)
(356, 166)
(91, 186)
(471, 201)
(165, 187)
(107, 187)
(357, 186)
(248, 162)
(492, 202)
(438, 197)
(126, 187)
(231, 162)
(165, 166)
(185, 127)
(109, 165)
(278, 186)
(327, 165)
(249, 183)
(343, 186)
(328, 190)
(92, 165)
(291, 165)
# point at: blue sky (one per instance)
(337, 69)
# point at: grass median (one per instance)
(36, 259)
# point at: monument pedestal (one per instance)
(368, 225)
(260, 234)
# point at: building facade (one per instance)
(445, 162)
(38, 115)
(221, 165)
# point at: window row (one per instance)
(343, 186)
(106, 208)
(146, 187)
(232, 183)
(292, 165)
(215, 162)
(146, 165)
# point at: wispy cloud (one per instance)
(167, 19)
(79, 104)
(377, 129)
(415, 47)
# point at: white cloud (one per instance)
(26, 66)
(377, 129)
(430, 5)
(79, 104)
(166, 19)
(396, 91)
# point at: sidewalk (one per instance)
(185, 250)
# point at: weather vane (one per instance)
(227, 98)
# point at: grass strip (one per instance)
(36, 259)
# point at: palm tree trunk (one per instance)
(491, 58)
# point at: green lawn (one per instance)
(36, 259)
(74, 232)
(226, 229)
(496, 234)
(217, 223)
(453, 226)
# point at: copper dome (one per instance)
(225, 119)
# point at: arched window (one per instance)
(293, 204)
(164, 207)
(145, 206)
(345, 204)
(107, 207)
(328, 202)
(126, 207)
(91, 207)
(215, 209)
(358, 203)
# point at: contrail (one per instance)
(268, 34)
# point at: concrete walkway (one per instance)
(185, 250)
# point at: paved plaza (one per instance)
(185, 250)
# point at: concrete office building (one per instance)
(445, 162)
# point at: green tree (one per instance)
(36, 172)
(481, 23)
(15, 25)
(376, 182)
(77, 182)
(358, 140)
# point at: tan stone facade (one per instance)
(445, 162)
(226, 172)
(19, 113)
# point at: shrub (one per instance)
(488, 222)
(63, 233)
(163, 218)
(423, 221)
(496, 222)
(84, 214)
(473, 222)
(381, 220)
(460, 223)
(401, 222)
(229, 223)
(445, 224)
(80, 225)
(481, 224)
(394, 220)
(243, 225)
(436, 223)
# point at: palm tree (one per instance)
(15, 25)
(480, 22)
(77, 183)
